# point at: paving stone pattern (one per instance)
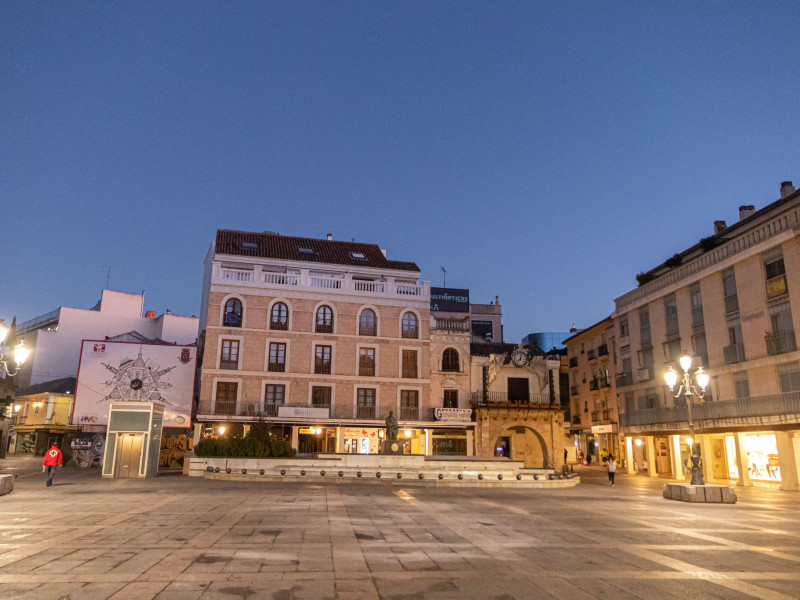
(175, 538)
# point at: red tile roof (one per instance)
(283, 247)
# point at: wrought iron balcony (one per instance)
(409, 413)
(591, 355)
(503, 399)
(602, 350)
(573, 390)
(731, 304)
(733, 354)
(365, 412)
(594, 385)
(595, 414)
(624, 379)
(781, 343)
(605, 383)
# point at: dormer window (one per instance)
(249, 246)
(359, 255)
(305, 251)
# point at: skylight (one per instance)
(305, 251)
(358, 255)
(250, 245)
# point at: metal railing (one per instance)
(733, 354)
(602, 350)
(573, 390)
(323, 328)
(754, 406)
(594, 416)
(365, 412)
(624, 379)
(489, 398)
(591, 355)
(408, 413)
(781, 343)
(279, 325)
(697, 315)
(605, 383)
(731, 304)
(594, 385)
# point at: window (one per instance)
(729, 286)
(700, 349)
(450, 399)
(697, 305)
(365, 403)
(305, 251)
(483, 330)
(672, 350)
(775, 268)
(225, 401)
(366, 362)
(274, 396)
(279, 317)
(644, 325)
(229, 359)
(277, 357)
(741, 385)
(409, 404)
(671, 315)
(358, 255)
(322, 360)
(233, 313)
(623, 326)
(321, 396)
(366, 324)
(409, 364)
(324, 320)
(789, 377)
(410, 326)
(450, 361)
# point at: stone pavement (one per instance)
(178, 538)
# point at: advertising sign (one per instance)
(449, 300)
(132, 372)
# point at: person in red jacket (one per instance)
(52, 460)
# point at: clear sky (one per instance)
(544, 152)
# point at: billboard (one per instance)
(132, 372)
(449, 300)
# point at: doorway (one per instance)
(129, 455)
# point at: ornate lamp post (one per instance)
(688, 389)
(20, 353)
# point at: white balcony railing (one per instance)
(305, 280)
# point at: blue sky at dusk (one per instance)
(541, 152)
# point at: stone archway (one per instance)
(537, 434)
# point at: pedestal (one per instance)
(394, 447)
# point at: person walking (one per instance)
(52, 460)
(612, 468)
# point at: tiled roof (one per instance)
(57, 386)
(283, 247)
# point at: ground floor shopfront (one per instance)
(745, 458)
(599, 441)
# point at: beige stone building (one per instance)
(732, 302)
(321, 337)
(593, 400)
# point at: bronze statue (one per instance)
(392, 428)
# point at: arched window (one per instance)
(279, 316)
(324, 320)
(450, 360)
(233, 313)
(366, 325)
(410, 326)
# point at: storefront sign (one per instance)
(776, 286)
(604, 428)
(311, 412)
(449, 300)
(460, 415)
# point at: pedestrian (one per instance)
(612, 468)
(565, 456)
(52, 460)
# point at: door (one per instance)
(129, 455)
(663, 461)
(518, 390)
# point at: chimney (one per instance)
(787, 189)
(497, 300)
(383, 251)
(745, 211)
(719, 227)
(330, 236)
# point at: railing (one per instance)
(409, 413)
(576, 420)
(606, 414)
(731, 304)
(489, 398)
(276, 367)
(591, 355)
(624, 379)
(754, 406)
(605, 383)
(236, 275)
(697, 316)
(594, 385)
(281, 279)
(327, 283)
(733, 354)
(407, 290)
(323, 328)
(41, 420)
(365, 412)
(602, 350)
(594, 416)
(367, 330)
(451, 325)
(781, 343)
(573, 362)
(322, 368)
(573, 390)
(410, 334)
(374, 287)
(279, 325)
(672, 325)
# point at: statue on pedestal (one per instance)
(392, 428)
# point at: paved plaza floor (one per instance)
(178, 538)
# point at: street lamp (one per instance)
(688, 389)
(20, 353)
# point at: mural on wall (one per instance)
(87, 449)
(130, 372)
(173, 449)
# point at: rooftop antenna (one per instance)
(108, 276)
(444, 277)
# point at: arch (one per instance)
(451, 361)
(237, 307)
(541, 446)
(329, 318)
(279, 315)
(364, 328)
(407, 329)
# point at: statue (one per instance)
(392, 428)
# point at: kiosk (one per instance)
(133, 439)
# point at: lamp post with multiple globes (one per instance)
(20, 353)
(688, 389)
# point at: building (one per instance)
(55, 338)
(732, 302)
(548, 340)
(592, 386)
(487, 321)
(42, 416)
(322, 338)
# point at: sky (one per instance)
(542, 152)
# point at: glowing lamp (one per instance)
(318, 431)
(686, 362)
(222, 431)
(689, 441)
(702, 378)
(381, 433)
(408, 433)
(671, 377)
(638, 442)
(21, 353)
(3, 333)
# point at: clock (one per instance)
(519, 358)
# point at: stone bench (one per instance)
(709, 494)
(6, 484)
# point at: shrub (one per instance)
(673, 261)
(260, 442)
(643, 278)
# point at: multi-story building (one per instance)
(319, 337)
(592, 388)
(732, 302)
(41, 416)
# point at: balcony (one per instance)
(305, 281)
(279, 325)
(606, 414)
(365, 412)
(595, 415)
(323, 328)
(503, 399)
(781, 343)
(733, 354)
(755, 406)
(591, 355)
(451, 325)
(624, 379)
(409, 413)
(573, 362)
(594, 385)
(605, 383)
(276, 367)
(573, 390)
(602, 350)
(731, 304)
(576, 420)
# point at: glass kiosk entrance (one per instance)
(133, 439)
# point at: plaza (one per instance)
(185, 538)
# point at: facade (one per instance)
(55, 338)
(732, 302)
(487, 322)
(42, 416)
(547, 340)
(594, 426)
(319, 337)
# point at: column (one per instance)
(675, 454)
(741, 461)
(196, 434)
(470, 442)
(651, 456)
(705, 457)
(788, 460)
(629, 458)
(296, 438)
